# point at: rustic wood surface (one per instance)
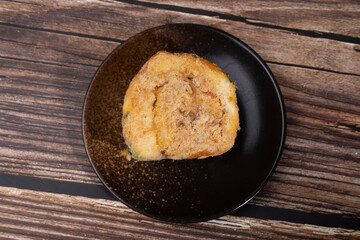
(49, 51)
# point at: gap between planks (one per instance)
(75, 216)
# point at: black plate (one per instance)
(187, 190)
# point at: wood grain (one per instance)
(56, 149)
(106, 20)
(318, 16)
(50, 50)
(45, 215)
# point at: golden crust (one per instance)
(179, 106)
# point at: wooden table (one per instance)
(49, 51)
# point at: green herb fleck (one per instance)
(194, 55)
(154, 104)
(144, 115)
(126, 114)
(133, 154)
(227, 75)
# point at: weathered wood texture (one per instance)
(109, 20)
(334, 17)
(37, 215)
(49, 50)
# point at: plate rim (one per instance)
(282, 111)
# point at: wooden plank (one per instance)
(319, 16)
(53, 48)
(40, 115)
(45, 74)
(58, 153)
(46, 215)
(39, 47)
(106, 20)
(41, 106)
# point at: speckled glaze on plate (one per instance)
(186, 190)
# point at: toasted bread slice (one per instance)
(179, 106)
